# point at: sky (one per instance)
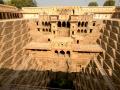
(68, 2)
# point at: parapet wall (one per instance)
(68, 10)
(14, 35)
(7, 8)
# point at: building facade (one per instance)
(79, 45)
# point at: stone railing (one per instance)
(7, 8)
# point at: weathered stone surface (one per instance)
(105, 38)
(107, 32)
(115, 23)
(117, 55)
(7, 45)
(7, 30)
(1, 24)
(7, 54)
(104, 45)
(8, 23)
(111, 51)
(112, 43)
(109, 22)
(8, 37)
(116, 29)
(113, 36)
(108, 27)
(11, 39)
(119, 39)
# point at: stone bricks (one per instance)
(111, 51)
(105, 38)
(18, 27)
(107, 56)
(119, 39)
(116, 65)
(113, 36)
(17, 40)
(8, 23)
(1, 30)
(107, 32)
(24, 30)
(7, 45)
(17, 33)
(104, 45)
(118, 47)
(112, 43)
(108, 27)
(7, 54)
(104, 65)
(115, 23)
(8, 37)
(1, 24)
(17, 23)
(18, 47)
(116, 29)
(117, 55)
(1, 38)
(109, 22)
(104, 21)
(102, 55)
(18, 56)
(109, 63)
(7, 30)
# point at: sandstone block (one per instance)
(115, 29)
(113, 36)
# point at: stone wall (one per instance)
(110, 42)
(14, 36)
(104, 68)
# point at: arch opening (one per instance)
(82, 24)
(37, 23)
(77, 41)
(53, 32)
(86, 24)
(56, 51)
(59, 24)
(62, 52)
(49, 23)
(38, 29)
(46, 23)
(42, 23)
(81, 30)
(68, 52)
(0, 15)
(48, 39)
(85, 31)
(68, 24)
(43, 29)
(72, 32)
(64, 24)
(94, 24)
(78, 24)
(78, 30)
(47, 30)
(91, 30)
